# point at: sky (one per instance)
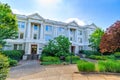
(103, 13)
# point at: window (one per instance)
(35, 27)
(72, 31)
(48, 37)
(35, 36)
(80, 40)
(15, 46)
(20, 47)
(80, 32)
(21, 35)
(71, 38)
(48, 28)
(60, 29)
(21, 25)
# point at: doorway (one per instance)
(33, 49)
(73, 49)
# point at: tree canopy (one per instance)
(95, 38)
(8, 23)
(59, 46)
(110, 41)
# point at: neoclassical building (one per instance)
(35, 32)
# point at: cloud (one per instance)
(80, 22)
(16, 11)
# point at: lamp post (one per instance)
(71, 54)
(71, 58)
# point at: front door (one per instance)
(33, 49)
(73, 49)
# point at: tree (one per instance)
(59, 46)
(95, 38)
(8, 24)
(110, 41)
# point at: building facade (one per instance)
(35, 32)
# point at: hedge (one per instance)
(85, 66)
(13, 54)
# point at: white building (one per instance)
(35, 32)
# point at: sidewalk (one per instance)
(62, 72)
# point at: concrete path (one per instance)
(26, 68)
(56, 72)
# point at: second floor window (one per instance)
(21, 35)
(48, 28)
(60, 29)
(21, 25)
(35, 27)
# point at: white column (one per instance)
(29, 30)
(76, 36)
(69, 33)
(42, 32)
(76, 49)
(27, 48)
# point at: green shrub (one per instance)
(13, 54)
(50, 59)
(50, 63)
(90, 52)
(74, 59)
(117, 54)
(111, 57)
(85, 66)
(12, 62)
(4, 67)
(97, 57)
(110, 65)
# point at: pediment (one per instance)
(93, 26)
(73, 23)
(36, 16)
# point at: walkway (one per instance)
(25, 68)
(58, 72)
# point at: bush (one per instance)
(50, 59)
(4, 67)
(74, 59)
(12, 62)
(90, 52)
(13, 54)
(86, 66)
(101, 57)
(117, 54)
(50, 63)
(97, 57)
(109, 66)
